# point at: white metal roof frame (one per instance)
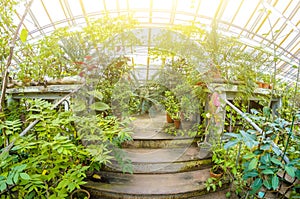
(271, 24)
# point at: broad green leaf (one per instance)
(234, 170)
(96, 94)
(249, 156)
(3, 186)
(290, 171)
(252, 164)
(265, 159)
(25, 176)
(267, 172)
(99, 106)
(214, 187)
(63, 183)
(16, 178)
(276, 150)
(231, 143)
(249, 139)
(258, 152)
(267, 184)
(71, 187)
(232, 135)
(23, 35)
(256, 185)
(247, 136)
(266, 111)
(276, 161)
(9, 180)
(79, 106)
(20, 167)
(250, 175)
(275, 182)
(265, 146)
(228, 194)
(220, 183)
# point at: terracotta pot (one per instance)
(201, 84)
(215, 175)
(266, 85)
(260, 84)
(80, 193)
(177, 123)
(169, 119)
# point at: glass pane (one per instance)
(162, 4)
(42, 17)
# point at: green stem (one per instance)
(288, 139)
(238, 155)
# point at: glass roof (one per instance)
(271, 24)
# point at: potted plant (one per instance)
(172, 106)
(177, 120)
(80, 193)
(264, 80)
(216, 171)
(218, 159)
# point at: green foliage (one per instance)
(290, 101)
(233, 121)
(66, 52)
(124, 163)
(7, 9)
(211, 184)
(130, 96)
(23, 35)
(220, 52)
(13, 175)
(170, 129)
(261, 162)
(52, 160)
(100, 134)
(172, 105)
(39, 162)
(147, 96)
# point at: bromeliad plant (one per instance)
(264, 167)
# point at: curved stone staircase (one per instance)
(164, 166)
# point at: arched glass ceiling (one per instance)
(271, 24)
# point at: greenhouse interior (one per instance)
(140, 99)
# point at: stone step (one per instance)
(155, 186)
(163, 160)
(164, 166)
(172, 143)
(149, 133)
(156, 134)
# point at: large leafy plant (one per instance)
(67, 52)
(264, 167)
(52, 160)
(48, 163)
(100, 132)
